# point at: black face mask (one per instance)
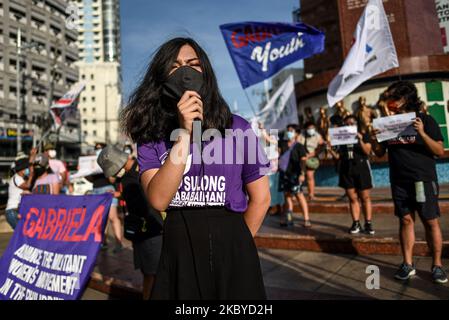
(182, 79)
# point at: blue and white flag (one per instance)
(372, 53)
(259, 50)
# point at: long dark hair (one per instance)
(149, 117)
(408, 91)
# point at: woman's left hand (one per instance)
(419, 126)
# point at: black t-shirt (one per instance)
(99, 180)
(354, 152)
(294, 164)
(136, 202)
(410, 160)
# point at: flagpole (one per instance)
(250, 103)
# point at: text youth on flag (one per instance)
(281, 109)
(259, 50)
(54, 247)
(65, 107)
(372, 53)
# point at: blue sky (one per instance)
(146, 24)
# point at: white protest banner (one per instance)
(394, 126)
(87, 165)
(281, 109)
(343, 135)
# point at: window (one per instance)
(93, 110)
(84, 99)
(94, 121)
(91, 77)
(84, 110)
(92, 88)
(94, 133)
(85, 121)
(83, 76)
(93, 99)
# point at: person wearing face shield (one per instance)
(313, 142)
(292, 176)
(355, 176)
(19, 184)
(102, 184)
(413, 177)
(142, 224)
(214, 207)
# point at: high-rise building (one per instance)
(419, 46)
(99, 69)
(47, 70)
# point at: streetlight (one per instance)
(18, 89)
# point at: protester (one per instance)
(101, 185)
(208, 248)
(143, 223)
(271, 144)
(413, 177)
(19, 183)
(57, 166)
(355, 176)
(292, 168)
(45, 181)
(313, 142)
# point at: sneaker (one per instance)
(438, 274)
(405, 272)
(356, 227)
(369, 228)
(287, 220)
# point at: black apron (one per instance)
(209, 254)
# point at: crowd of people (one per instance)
(412, 160)
(43, 173)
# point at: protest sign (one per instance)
(394, 126)
(343, 135)
(87, 165)
(54, 247)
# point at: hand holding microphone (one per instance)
(190, 108)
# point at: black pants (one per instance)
(208, 253)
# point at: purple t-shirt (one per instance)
(228, 164)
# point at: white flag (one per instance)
(372, 53)
(69, 97)
(65, 107)
(281, 109)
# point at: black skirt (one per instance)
(208, 254)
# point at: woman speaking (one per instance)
(214, 208)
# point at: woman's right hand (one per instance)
(190, 107)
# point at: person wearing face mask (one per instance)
(291, 170)
(355, 176)
(45, 181)
(57, 166)
(142, 224)
(102, 184)
(313, 143)
(413, 177)
(213, 208)
(19, 183)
